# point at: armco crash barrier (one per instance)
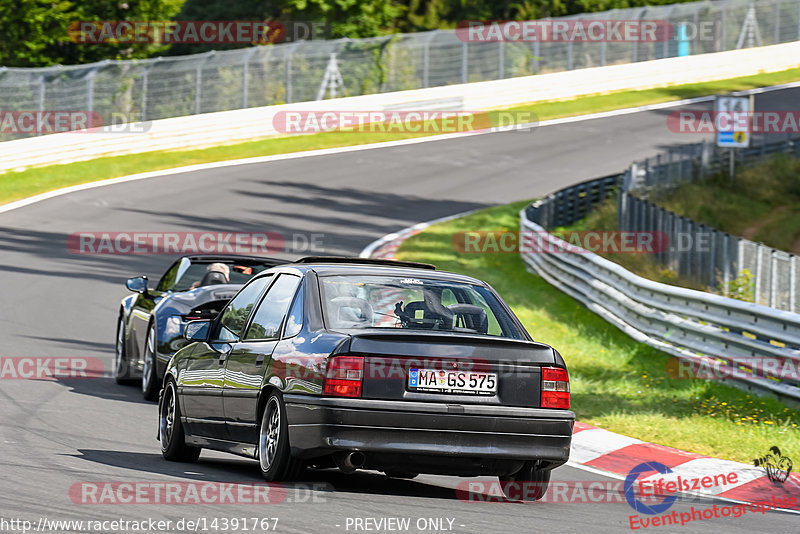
(694, 326)
(231, 126)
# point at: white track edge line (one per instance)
(339, 150)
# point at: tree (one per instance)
(31, 29)
(39, 33)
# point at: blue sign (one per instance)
(725, 137)
(413, 378)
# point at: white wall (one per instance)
(211, 129)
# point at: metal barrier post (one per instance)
(198, 83)
(758, 274)
(245, 67)
(426, 59)
(288, 67)
(90, 85)
(792, 282)
(712, 264)
(726, 277)
(773, 278)
(569, 55)
(501, 61)
(464, 62)
(660, 230)
(40, 104)
(603, 53)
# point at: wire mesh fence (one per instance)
(294, 72)
(715, 259)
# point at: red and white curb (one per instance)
(386, 247)
(615, 455)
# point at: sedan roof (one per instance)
(381, 269)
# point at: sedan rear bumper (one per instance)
(321, 425)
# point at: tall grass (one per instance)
(762, 204)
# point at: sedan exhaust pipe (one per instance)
(348, 462)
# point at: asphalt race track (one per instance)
(57, 435)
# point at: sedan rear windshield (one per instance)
(359, 302)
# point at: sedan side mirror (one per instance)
(196, 330)
(137, 285)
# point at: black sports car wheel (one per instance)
(274, 458)
(150, 385)
(173, 444)
(527, 484)
(122, 371)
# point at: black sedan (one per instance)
(369, 364)
(150, 323)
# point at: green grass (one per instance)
(763, 203)
(31, 181)
(617, 383)
(603, 217)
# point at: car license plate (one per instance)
(460, 382)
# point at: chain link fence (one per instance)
(294, 72)
(714, 259)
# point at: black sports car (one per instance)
(150, 324)
(371, 364)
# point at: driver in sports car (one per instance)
(216, 273)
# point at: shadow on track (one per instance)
(106, 388)
(245, 471)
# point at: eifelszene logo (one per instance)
(775, 464)
(631, 494)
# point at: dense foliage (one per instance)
(42, 32)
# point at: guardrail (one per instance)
(694, 326)
(699, 252)
(210, 129)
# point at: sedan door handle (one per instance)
(222, 358)
(260, 360)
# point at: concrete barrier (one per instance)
(212, 129)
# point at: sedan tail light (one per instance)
(555, 388)
(344, 376)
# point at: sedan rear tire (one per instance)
(527, 484)
(173, 443)
(274, 456)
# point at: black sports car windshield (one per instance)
(360, 302)
(187, 274)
